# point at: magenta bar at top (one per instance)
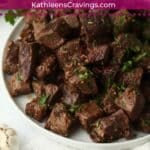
(76, 4)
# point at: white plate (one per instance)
(79, 139)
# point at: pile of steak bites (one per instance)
(85, 67)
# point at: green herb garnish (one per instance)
(139, 57)
(127, 65)
(74, 108)
(18, 77)
(84, 74)
(43, 99)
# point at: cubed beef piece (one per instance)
(60, 120)
(71, 95)
(132, 101)
(94, 27)
(111, 128)
(109, 105)
(46, 67)
(122, 20)
(50, 38)
(55, 33)
(70, 54)
(99, 54)
(145, 88)
(143, 122)
(11, 58)
(88, 113)
(52, 91)
(36, 110)
(133, 77)
(17, 86)
(27, 59)
(122, 45)
(82, 78)
(27, 33)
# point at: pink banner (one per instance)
(76, 4)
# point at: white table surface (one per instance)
(28, 137)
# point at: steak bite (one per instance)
(122, 20)
(59, 121)
(11, 58)
(98, 54)
(108, 103)
(132, 78)
(27, 33)
(17, 86)
(70, 54)
(95, 27)
(123, 45)
(111, 128)
(88, 113)
(27, 59)
(46, 67)
(36, 110)
(70, 95)
(52, 91)
(132, 102)
(82, 78)
(50, 38)
(57, 31)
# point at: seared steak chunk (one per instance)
(111, 128)
(36, 110)
(46, 67)
(98, 54)
(88, 113)
(27, 33)
(83, 80)
(52, 91)
(27, 59)
(60, 120)
(11, 58)
(109, 105)
(132, 78)
(17, 86)
(70, 54)
(132, 102)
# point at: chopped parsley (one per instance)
(74, 108)
(18, 77)
(128, 65)
(43, 99)
(84, 73)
